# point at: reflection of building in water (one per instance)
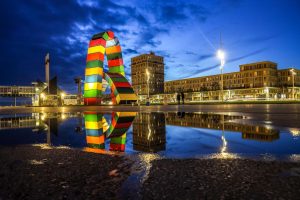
(149, 132)
(213, 121)
(38, 122)
(16, 122)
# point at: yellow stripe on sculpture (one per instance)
(93, 71)
(96, 49)
(126, 114)
(93, 125)
(93, 86)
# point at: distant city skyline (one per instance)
(186, 34)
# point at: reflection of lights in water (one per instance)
(63, 116)
(42, 146)
(295, 132)
(224, 146)
(149, 130)
(268, 157)
(295, 157)
(224, 155)
(146, 160)
(268, 127)
(36, 162)
(268, 122)
(43, 117)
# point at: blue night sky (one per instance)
(185, 32)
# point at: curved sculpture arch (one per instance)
(98, 130)
(102, 44)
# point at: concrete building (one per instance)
(254, 80)
(155, 66)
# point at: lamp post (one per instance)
(221, 56)
(62, 95)
(148, 90)
(293, 80)
(148, 78)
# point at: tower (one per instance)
(47, 66)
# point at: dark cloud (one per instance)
(205, 56)
(62, 28)
(130, 51)
(258, 39)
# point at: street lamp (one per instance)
(267, 91)
(293, 79)
(62, 94)
(221, 56)
(43, 96)
(148, 77)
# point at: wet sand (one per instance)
(222, 179)
(28, 172)
(32, 172)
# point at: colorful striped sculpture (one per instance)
(120, 123)
(97, 130)
(95, 137)
(121, 90)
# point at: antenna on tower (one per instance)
(47, 73)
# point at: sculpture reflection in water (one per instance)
(98, 130)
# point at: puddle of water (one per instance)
(179, 135)
(145, 137)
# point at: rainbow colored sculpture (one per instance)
(121, 90)
(98, 130)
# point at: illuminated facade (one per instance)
(106, 43)
(155, 66)
(254, 80)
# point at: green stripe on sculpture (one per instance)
(95, 63)
(93, 117)
(117, 69)
(96, 146)
(92, 93)
(114, 56)
(118, 140)
(125, 90)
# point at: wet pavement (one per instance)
(135, 151)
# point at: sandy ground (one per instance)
(37, 172)
(222, 179)
(29, 172)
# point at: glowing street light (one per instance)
(293, 79)
(221, 57)
(62, 95)
(148, 78)
(43, 96)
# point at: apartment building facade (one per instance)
(152, 63)
(254, 80)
